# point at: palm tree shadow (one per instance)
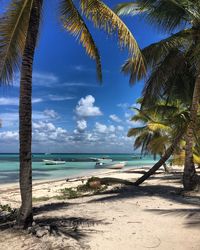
(77, 228)
(169, 193)
(192, 215)
(74, 227)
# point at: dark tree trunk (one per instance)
(25, 215)
(190, 178)
(162, 160)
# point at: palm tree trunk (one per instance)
(162, 160)
(190, 178)
(165, 165)
(25, 215)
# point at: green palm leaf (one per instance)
(103, 17)
(74, 23)
(13, 29)
(155, 53)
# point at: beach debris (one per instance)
(38, 230)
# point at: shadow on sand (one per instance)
(164, 190)
(77, 228)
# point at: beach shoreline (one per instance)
(124, 217)
(85, 174)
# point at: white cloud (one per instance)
(115, 118)
(60, 98)
(123, 105)
(14, 101)
(43, 126)
(79, 84)
(44, 79)
(50, 113)
(86, 108)
(9, 135)
(102, 128)
(46, 131)
(120, 128)
(37, 100)
(81, 125)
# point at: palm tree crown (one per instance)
(14, 25)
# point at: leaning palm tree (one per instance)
(170, 16)
(162, 131)
(153, 135)
(19, 27)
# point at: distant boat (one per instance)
(118, 165)
(53, 162)
(102, 160)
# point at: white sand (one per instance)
(154, 215)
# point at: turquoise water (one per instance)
(76, 164)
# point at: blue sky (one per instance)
(71, 111)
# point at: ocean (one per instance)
(76, 165)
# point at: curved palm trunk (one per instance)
(190, 178)
(25, 216)
(162, 160)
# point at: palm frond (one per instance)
(155, 53)
(104, 18)
(13, 29)
(167, 15)
(164, 72)
(131, 9)
(74, 23)
(158, 144)
(157, 126)
(136, 131)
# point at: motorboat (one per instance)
(53, 162)
(103, 160)
(116, 165)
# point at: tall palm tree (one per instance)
(19, 27)
(171, 16)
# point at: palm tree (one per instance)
(159, 124)
(153, 135)
(161, 133)
(19, 27)
(171, 16)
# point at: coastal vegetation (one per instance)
(168, 118)
(183, 18)
(19, 28)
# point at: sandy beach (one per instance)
(155, 215)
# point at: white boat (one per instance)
(117, 165)
(53, 162)
(103, 160)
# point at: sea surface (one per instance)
(76, 165)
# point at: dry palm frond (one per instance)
(13, 30)
(157, 126)
(74, 23)
(103, 17)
